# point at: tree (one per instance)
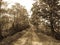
(20, 17)
(2, 11)
(48, 10)
(4, 18)
(13, 19)
(54, 16)
(35, 18)
(0, 14)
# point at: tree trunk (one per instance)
(0, 23)
(51, 23)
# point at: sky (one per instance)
(26, 3)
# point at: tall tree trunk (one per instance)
(0, 15)
(0, 23)
(51, 23)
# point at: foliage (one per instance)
(49, 10)
(12, 19)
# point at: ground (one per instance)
(29, 37)
(33, 38)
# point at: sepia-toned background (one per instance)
(29, 22)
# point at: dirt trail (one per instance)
(32, 38)
(29, 38)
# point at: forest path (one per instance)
(29, 38)
(33, 38)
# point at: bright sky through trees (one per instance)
(26, 3)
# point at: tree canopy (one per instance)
(49, 11)
(12, 19)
